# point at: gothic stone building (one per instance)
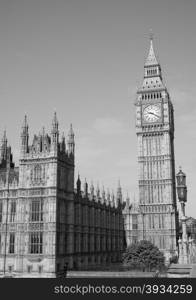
(99, 227)
(44, 222)
(131, 215)
(157, 218)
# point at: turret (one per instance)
(112, 200)
(119, 194)
(103, 195)
(24, 137)
(85, 188)
(9, 158)
(39, 143)
(108, 197)
(127, 201)
(62, 144)
(92, 189)
(44, 140)
(4, 147)
(78, 184)
(71, 143)
(54, 133)
(98, 191)
(6, 154)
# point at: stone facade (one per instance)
(99, 228)
(158, 217)
(131, 216)
(44, 222)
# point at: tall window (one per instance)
(1, 211)
(36, 242)
(12, 211)
(134, 224)
(159, 221)
(37, 173)
(12, 243)
(163, 221)
(36, 211)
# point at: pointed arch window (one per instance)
(37, 173)
(1, 211)
(36, 210)
(36, 242)
(163, 221)
(12, 210)
(12, 243)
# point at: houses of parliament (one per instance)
(46, 220)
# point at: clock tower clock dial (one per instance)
(157, 220)
(152, 113)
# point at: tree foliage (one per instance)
(143, 255)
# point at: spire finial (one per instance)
(71, 132)
(85, 187)
(4, 135)
(25, 119)
(55, 118)
(92, 188)
(55, 123)
(25, 126)
(151, 35)
(119, 185)
(78, 183)
(151, 58)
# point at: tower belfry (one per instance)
(155, 134)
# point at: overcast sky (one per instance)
(84, 59)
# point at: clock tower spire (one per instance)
(151, 59)
(152, 70)
(155, 135)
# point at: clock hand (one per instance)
(153, 114)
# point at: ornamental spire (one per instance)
(152, 72)
(119, 192)
(71, 143)
(78, 184)
(55, 132)
(3, 147)
(54, 121)
(151, 58)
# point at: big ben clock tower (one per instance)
(155, 134)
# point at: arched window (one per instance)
(36, 210)
(37, 173)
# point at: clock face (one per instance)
(152, 113)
